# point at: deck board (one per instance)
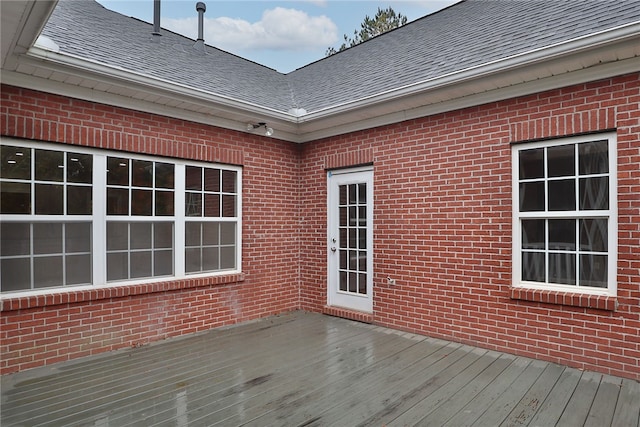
(309, 369)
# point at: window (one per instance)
(49, 193)
(74, 216)
(211, 201)
(140, 211)
(565, 214)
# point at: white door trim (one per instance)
(338, 249)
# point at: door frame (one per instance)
(335, 298)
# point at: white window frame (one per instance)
(99, 218)
(611, 214)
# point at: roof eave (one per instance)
(600, 55)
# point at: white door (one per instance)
(350, 239)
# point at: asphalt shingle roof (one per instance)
(465, 35)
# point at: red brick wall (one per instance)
(41, 330)
(443, 227)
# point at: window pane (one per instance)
(141, 202)
(192, 234)
(353, 282)
(343, 259)
(353, 194)
(164, 203)
(562, 268)
(193, 204)
(117, 236)
(594, 193)
(212, 179)
(531, 196)
(593, 270)
(78, 237)
(47, 238)
(343, 216)
(228, 206)
(343, 195)
(15, 198)
(227, 233)
(49, 199)
(192, 261)
(362, 261)
(343, 237)
(227, 258)
(533, 233)
(212, 205)
(229, 181)
(117, 171)
(15, 162)
(164, 175)
(15, 274)
(78, 269)
(353, 260)
(562, 234)
(362, 215)
(163, 263)
(353, 237)
(49, 165)
(78, 200)
(211, 234)
(140, 235)
(141, 264)
(16, 238)
(193, 178)
(211, 259)
(142, 175)
(117, 266)
(362, 193)
(593, 157)
(533, 267)
(79, 168)
(163, 235)
(362, 238)
(561, 161)
(531, 163)
(362, 283)
(47, 272)
(117, 201)
(594, 235)
(343, 281)
(562, 195)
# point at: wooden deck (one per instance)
(308, 369)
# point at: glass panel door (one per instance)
(350, 239)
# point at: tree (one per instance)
(384, 20)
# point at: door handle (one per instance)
(333, 249)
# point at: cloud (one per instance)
(278, 29)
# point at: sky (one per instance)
(283, 35)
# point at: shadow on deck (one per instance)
(309, 369)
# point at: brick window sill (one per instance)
(599, 302)
(70, 296)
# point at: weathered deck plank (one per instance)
(310, 369)
(524, 399)
(628, 406)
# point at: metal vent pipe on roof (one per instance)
(156, 18)
(201, 8)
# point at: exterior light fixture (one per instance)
(253, 126)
